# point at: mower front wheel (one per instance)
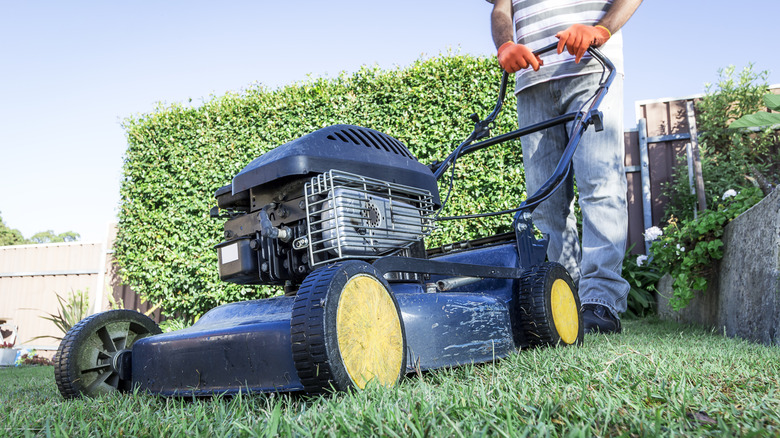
(549, 307)
(347, 329)
(90, 355)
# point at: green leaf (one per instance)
(772, 101)
(759, 119)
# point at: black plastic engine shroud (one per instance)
(347, 148)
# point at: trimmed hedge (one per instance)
(178, 156)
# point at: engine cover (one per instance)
(347, 148)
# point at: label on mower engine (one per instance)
(229, 253)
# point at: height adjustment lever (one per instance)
(481, 127)
(597, 120)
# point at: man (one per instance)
(559, 84)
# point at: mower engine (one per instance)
(338, 193)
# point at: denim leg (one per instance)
(541, 152)
(596, 264)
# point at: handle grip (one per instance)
(606, 64)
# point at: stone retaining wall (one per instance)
(743, 299)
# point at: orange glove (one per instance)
(513, 57)
(579, 37)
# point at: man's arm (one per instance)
(501, 24)
(618, 14)
(512, 57)
(579, 37)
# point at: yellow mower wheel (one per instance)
(347, 329)
(549, 307)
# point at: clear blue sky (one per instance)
(70, 72)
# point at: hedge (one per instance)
(178, 156)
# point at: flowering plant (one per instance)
(642, 280)
(689, 250)
(32, 358)
(6, 345)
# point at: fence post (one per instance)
(691, 184)
(696, 156)
(644, 169)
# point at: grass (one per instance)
(656, 378)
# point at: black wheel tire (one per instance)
(86, 358)
(548, 307)
(347, 329)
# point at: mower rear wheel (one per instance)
(90, 355)
(549, 307)
(347, 329)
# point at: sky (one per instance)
(71, 72)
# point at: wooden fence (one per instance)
(665, 136)
(665, 132)
(31, 276)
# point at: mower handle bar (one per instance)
(583, 119)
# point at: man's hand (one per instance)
(514, 57)
(579, 37)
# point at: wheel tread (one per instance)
(538, 328)
(307, 332)
(66, 374)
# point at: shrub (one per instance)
(642, 279)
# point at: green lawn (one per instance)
(656, 378)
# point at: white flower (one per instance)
(653, 233)
(729, 194)
(641, 259)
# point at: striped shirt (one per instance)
(537, 22)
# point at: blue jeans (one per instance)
(595, 265)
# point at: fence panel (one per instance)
(31, 276)
(634, 195)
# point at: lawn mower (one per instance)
(338, 219)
